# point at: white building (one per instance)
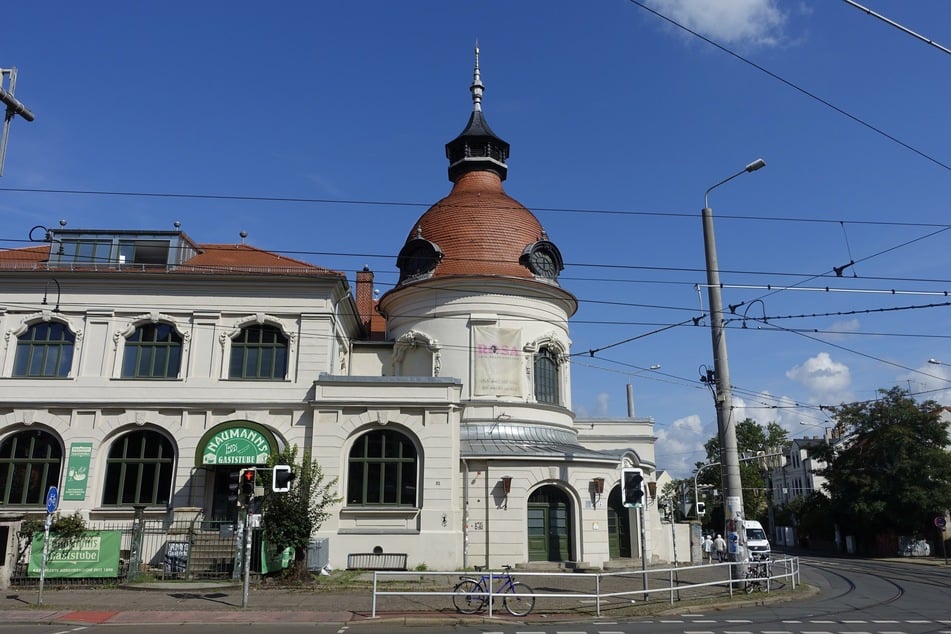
(142, 368)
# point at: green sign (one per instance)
(236, 446)
(77, 471)
(94, 555)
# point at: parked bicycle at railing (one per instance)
(757, 573)
(471, 594)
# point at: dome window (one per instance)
(543, 259)
(417, 259)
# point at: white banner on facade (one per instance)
(499, 362)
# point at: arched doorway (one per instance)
(619, 526)
(549, 525)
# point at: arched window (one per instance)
(547, 379)
(139, 469)
(153, 351)
(30, 463)
(45, 350)
(382, 470)
(259, 352)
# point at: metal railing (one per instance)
(567, 589)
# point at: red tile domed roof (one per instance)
(479, 228)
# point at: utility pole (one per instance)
(726, 425)
(14, 107)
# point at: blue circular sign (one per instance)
(52, 499)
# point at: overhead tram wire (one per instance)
(898, 26)
(794, 86)
(620, 267)
(390, 203)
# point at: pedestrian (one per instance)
(707, 547)
(719, 544)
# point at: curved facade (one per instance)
(443, 411)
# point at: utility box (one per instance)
(318, 554)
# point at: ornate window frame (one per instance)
(409, 341)
(120, 336)
(12, 335)
(258, 319)
(559, 349)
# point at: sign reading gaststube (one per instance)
(95, 554)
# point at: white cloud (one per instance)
(825, 378)
(744, 22)
(680, 446)
(930, 381)
(604, 400)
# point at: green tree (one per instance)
(751, 438)
(290, 519)
(893, 472)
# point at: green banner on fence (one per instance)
(95, 554)
(77, 471)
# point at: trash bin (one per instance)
(318, 553)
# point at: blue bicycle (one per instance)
(471, 594)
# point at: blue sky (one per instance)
(319, 128)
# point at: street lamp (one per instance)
(630, 388)
(726, 426)
(13, 107)
(935, 362)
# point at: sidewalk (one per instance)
(173, 603)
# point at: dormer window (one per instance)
(543, 259)
(94, 248)
(418, 258)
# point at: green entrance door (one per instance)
(549, 525)
(619, 527)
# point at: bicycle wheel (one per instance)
(751, 584)
(468, 596)
(521, 601)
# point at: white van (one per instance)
(756, 541)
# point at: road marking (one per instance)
(776, 632)
(884, 621)
(738, 621)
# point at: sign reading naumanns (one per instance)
(236, 446)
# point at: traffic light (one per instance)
(632, 487)
(234, 488)
(281, 476)
(701, 508)
(246, 491)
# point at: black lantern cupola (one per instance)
(477, 147)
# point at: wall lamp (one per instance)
(597, 489)
(506, 482)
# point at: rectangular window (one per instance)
(154, 252)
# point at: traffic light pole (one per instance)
(641, 516)
(247, 557)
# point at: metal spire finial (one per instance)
(477, 86)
